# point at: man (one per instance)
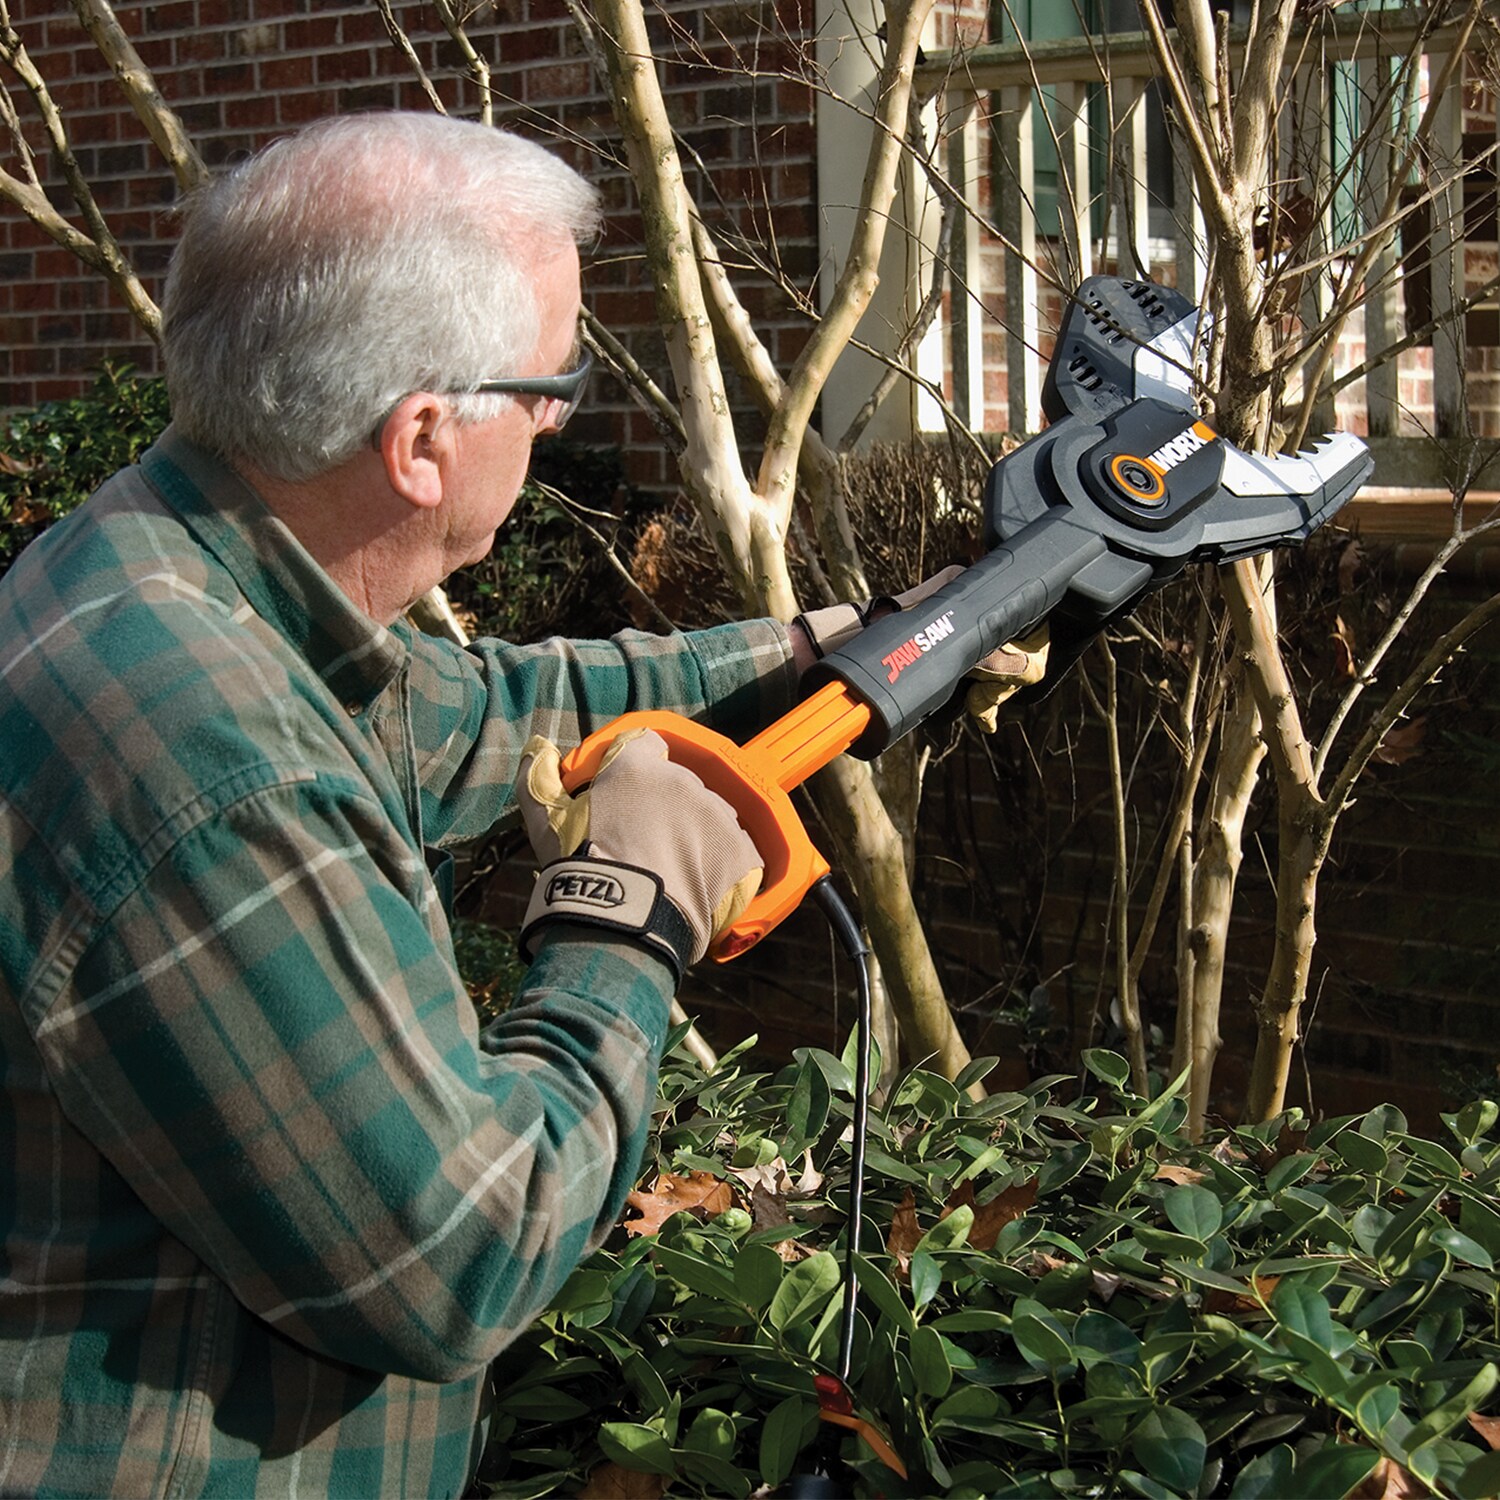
(271, 1206)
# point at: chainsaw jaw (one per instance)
(1125, 489)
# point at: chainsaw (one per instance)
(1124, 489)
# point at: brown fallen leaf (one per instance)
(1231, 1304)
(1351, 559)
(611, 1481)
(1039, 1263)
(1487, 1427)
(700, 1193)
(1345, 653)
(1182, 1176)
(1402, 743)
(1389, 1481)
(990, 1218)
(905, 1234)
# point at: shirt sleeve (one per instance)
(472, 710)
(267, 1042)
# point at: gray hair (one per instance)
(344, 267)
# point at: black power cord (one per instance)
(841, 919)
(819, 1485)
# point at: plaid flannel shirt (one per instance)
(270, 1203)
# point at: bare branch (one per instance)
(403, 44)
(857, 281)
(98, 250)
(139, 87)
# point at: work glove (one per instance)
(647, 852)
(996, 678)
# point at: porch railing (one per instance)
(1124, 199)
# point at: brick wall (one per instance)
(240, 72)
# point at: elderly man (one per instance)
(272, 1204)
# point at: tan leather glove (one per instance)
(1001, 674)
(646, 853)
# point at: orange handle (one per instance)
(754, 779)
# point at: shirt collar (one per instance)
(354, 655)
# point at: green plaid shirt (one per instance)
(270, 1203)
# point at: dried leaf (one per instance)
(1351, 560)
(1288, 1143)
(1106, 1284)
(611, 1481)
(767, 1209)
(1038, 1264)
(1236, 1304)
(791, 1251)
(700, 1193)
(1487, 1427)
(1182, 1176)
(1389, 1481)
(1401, 744)
(11, 465)
(905, 1234)
(1345, 652)
(990, 1218)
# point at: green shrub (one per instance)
(1059, 1295)
(54, 457)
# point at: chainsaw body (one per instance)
(1123, 490)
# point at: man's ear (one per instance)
(414, 443)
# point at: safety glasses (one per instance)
(566, 389)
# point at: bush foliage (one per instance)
(1058, 1295)
(52, 458)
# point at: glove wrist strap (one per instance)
(616, 898)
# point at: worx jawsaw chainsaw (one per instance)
(1123, 490)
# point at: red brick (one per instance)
(258, 112)
(363, 26)
(277, 74)
(350, 65)
(301, 108)
(312, 34)
(179, 15)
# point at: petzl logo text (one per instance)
(592, 890)
(924, 640)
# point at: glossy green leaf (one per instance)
(949, 1233)
(926, 1279)
(718, 1476)
(1169, 1445)
(1361, 1152)
(1481, 1480)
(1455, 1409)
(1107, 1066)
(1332, 1471)
(807, 1108)
(788, 1427)
(1194, 1211)
(697, 1274)
(887, 1300)
(1041, 1344)
(1268, 1476)
(712, 1432)
(804, 1291)
(929, 1363)
(758, 1270)
(634, 1446)
(1461, 1247)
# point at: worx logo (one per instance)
(924, 640)
(593, 890)
(1172, 453)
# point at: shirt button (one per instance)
(353, 709)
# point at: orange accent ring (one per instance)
(1125, 484)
